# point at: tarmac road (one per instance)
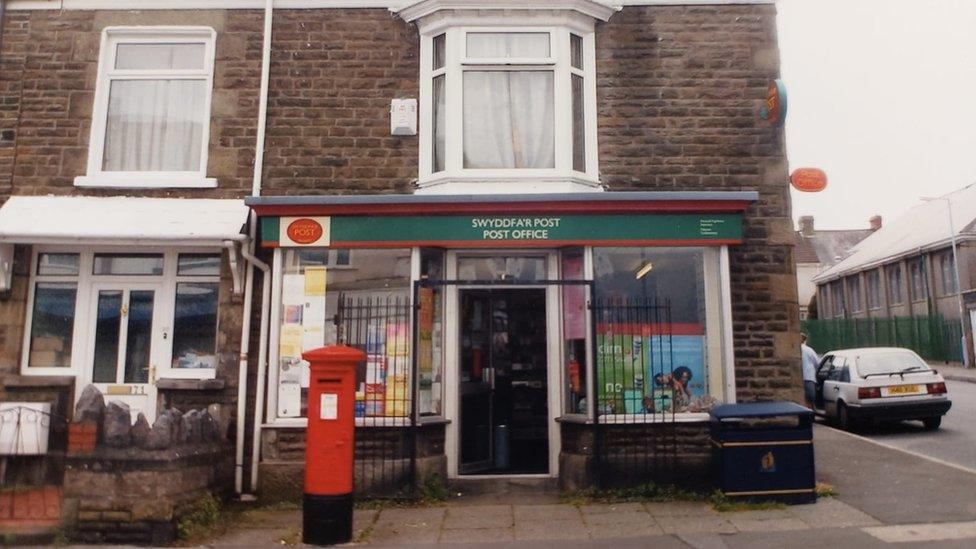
(954, 442)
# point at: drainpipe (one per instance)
(242, 374)
(262, 363)
(247, 252)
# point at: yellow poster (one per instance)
(397, 396)
(314, 281)
(291, 341)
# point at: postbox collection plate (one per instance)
(329, 406)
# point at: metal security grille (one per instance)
(637, 390)
(385, 455)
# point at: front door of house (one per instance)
(503, 395)
(124, 343)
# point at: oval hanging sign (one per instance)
(304, 231)
(774, 107)
(809, 180)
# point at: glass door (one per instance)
(503, 386)
(124, 344)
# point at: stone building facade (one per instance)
(667, 121)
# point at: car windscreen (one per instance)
(889, 363)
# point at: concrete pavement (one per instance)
(883, 496)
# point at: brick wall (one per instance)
(678, 91)
(333, 75)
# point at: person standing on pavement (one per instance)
(809, 361)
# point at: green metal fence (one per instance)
(932, 337)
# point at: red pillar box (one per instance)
(329, 445)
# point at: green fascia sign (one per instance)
(534, 229)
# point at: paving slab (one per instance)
(768, 525)
(827, 537)
(256, 537)
(621, 517)
(267, 518)
(545, 512)
(603, 508)
(477, 535)
(479, 516)
(680, 509)
(633, 529)
(916, 533)
(401, 526)
(695, 524)
(831, 513)
(551, 530)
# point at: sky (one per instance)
(882, 97)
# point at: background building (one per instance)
(906, 269)
(816, 250)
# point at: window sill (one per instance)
(635, 419)
(170, 384)
(32, 381)
(301, 422)
(486, 183)
(149, 180)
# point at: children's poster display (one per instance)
(303, 328)
(385, 390)
(651, 374)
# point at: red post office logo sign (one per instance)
(305, 231)
(809, 180)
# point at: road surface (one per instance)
(954, 442)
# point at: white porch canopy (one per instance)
(122, 220)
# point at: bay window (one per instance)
(508, 106)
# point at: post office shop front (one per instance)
(582, 336)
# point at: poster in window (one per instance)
(677, 364)
(397, 343)
(620, 367)
(315, 281)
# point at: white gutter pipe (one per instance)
(247, 252)
(242, 374)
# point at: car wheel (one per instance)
(932, 423)
(843, 417)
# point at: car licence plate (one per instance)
(900, 390)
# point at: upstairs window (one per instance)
(508, 103)
(151, 118)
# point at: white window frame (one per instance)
(83, 321)
(111, 37)
(457, 179)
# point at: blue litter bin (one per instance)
(763, 451)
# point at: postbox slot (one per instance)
(330, 380)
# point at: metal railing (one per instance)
(638, 389)
(932, 337)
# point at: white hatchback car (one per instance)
(877, 385)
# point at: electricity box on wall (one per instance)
(403, 117)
